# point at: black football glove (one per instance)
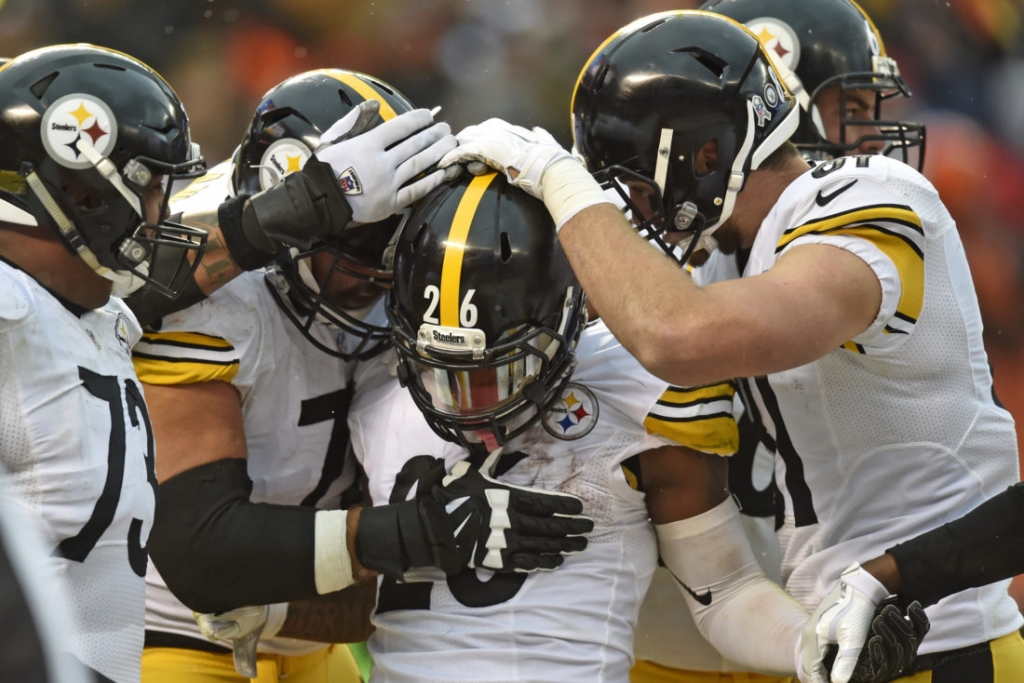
(473, 520)
(892, 646)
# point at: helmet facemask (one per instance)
(902, 140)
(328, 299)
(489, 394)
(162, 254)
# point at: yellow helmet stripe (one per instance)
(455, 248)
(874, 29)
(367, 91)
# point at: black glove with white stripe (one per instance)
(473, 520)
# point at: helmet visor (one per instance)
(484, 389)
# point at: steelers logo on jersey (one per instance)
(282, 157)
(574, 416)
(76, 120)
(121, 332)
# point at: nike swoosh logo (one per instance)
(823, 199)
(704, 598)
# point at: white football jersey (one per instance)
(572, 624)
(897, 431)
(76, 439)
(294, 399)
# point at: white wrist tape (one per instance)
(568, 189)
(865, 582)
(748, 617)
(332, 565)
(276, 614)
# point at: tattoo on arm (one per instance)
(217, 266)
(342, 617)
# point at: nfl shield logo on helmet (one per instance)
(349, 182)
(574, 416)
(762, 112)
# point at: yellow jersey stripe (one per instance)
(678, 396)
(166, 372)
(871, 214)
(195, 340)
(908, 261)
(367, 91)
(708, 434)
(455, 248)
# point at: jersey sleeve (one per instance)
(218, 339)
(206, 192)
(15, 298)
(700, 418)
(887, 234)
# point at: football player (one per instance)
(832, 59)
(249, 391)
(362, 176)
(485, 315)
(982, 547)
(854, 312)
(92, 139)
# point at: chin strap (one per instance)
(125, 282)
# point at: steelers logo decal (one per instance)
(73, 119)
(778, 39)
(121, 332)
(284, 156)
(574, 416)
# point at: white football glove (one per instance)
(844, 618)
(521, 154)
(242, 629)
(533, 161)
(374, 166)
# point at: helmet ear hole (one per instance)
(506, 248)
(81, 196)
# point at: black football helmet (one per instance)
(283, 135)
(84, 131)
(655, 93)
(485, 311)
(826, 44)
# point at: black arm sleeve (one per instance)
(218, 551)
(983, 546)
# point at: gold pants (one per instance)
(333, 664)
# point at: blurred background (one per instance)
(518, 59)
